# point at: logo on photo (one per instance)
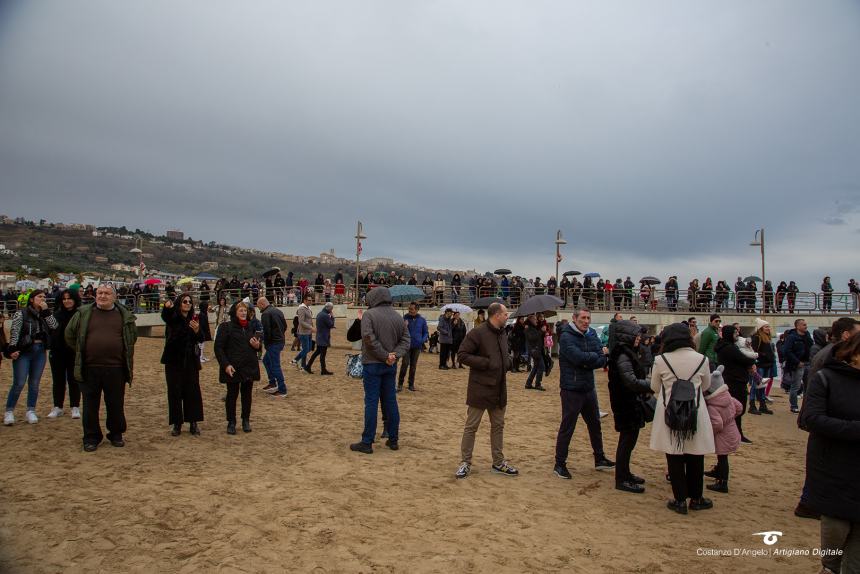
(769, 537)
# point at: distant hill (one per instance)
(48, 250)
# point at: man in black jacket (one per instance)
(274, 329)
(798, 344)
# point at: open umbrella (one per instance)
(752, 278)
(650, 280)
(25, 284)
(152, 281)
(502, 271)
(185, 280)
(592, 275)
(485, 302)
(571, 273)
(457, 308)
(406, 293)
(539, 304)
(272, 271)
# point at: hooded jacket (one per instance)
(578, 355)
(722, 409)
(325, 323)
(736, 363)
(707, 343)
(626, 378)
(819, 341)
(443, 327)
(831, 414)
(382, 329)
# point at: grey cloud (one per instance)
(834, 221)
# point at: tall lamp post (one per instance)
(758, 241)
(558, 243)
(359, 235)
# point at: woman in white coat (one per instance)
(685, 458)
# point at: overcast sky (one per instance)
(658, 136)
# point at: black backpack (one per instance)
(681, 412)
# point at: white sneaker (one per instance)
(55, 412)
(203, 359)
(9, 419)
(603, 414)
(76, 413)
(32, 418)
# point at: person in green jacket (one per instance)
(708, 339)
(103, 335)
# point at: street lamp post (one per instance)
(558, 243)
(359, 235)
(758, 241)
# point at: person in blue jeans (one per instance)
(798, 344)
(305, 330)
(385, 339)
(274, 338)
(28, 346)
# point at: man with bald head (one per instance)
(274, 329)
(103, 335)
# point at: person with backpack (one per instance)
(722, 408)
(682, 427)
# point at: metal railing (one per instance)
(657, 301)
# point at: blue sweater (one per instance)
(418, 333)
(578, 355)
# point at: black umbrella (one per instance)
(485, 302)
(570, 273)
(502, 271)
(539, 304)
(272, 271)
(650, 280)
(752, 278)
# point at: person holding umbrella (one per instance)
(458, 333)
(534, 344)
(181, 360)
(446, 337)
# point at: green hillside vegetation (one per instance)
(47, 250)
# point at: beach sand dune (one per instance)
(290, 496)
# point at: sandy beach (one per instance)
(290, 496)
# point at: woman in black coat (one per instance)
(627, 388)
(181, 360)
(458, 333)
(737, 370)
(236, 350)
(62, 358)
(831, 414)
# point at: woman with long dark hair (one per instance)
(181, 360)
(28, 343)
(62, 358)
(737, 370)
(627, 388)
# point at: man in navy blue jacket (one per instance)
(418, 335)
(798, 344)
(579, 354)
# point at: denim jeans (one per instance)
(272, 363)
(302, 357)
(797, 376)
(27, 368)
(379, 381)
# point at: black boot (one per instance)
(231, 427)
(177, 429)
(719, 486)
(246, 425)
(195, 430)
(762, 408)
(753, 410)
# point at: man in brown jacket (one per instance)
(485, 352)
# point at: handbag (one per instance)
(648, 406)
(354, 367)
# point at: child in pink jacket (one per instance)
(722, 408)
